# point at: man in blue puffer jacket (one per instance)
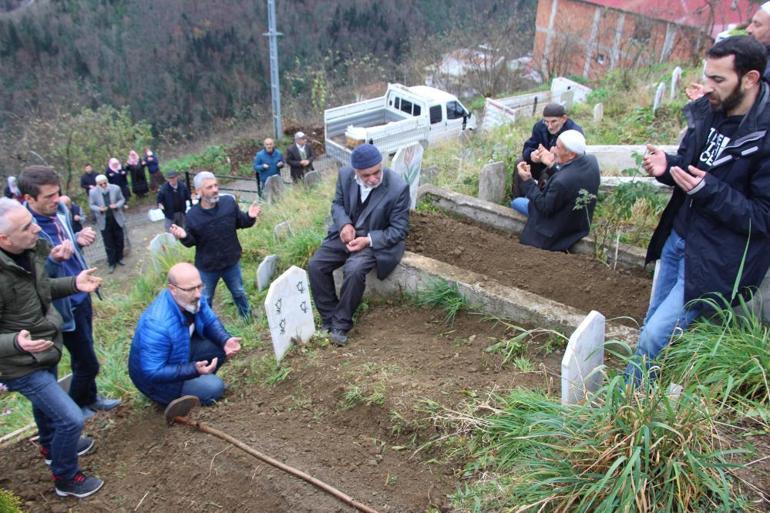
(179, 343)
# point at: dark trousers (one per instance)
(80, 344)
(204, 349)
(113, 240)
(338, 312)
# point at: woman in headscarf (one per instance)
(118, 176)
(12, 190)
(153, 166)
(138, 179)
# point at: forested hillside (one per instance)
(183, 65)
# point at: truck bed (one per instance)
(367, 119)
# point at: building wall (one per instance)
(582, 39)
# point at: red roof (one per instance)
(693, 13)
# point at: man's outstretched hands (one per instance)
(177, 231)
(25, 342)
(232, 346)
(524, 170)
(347, 233)
(206, 368)
(85, 282)
(687, 180)
(654, 162)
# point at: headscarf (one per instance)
(114, 165)
(13, 187)
(133, 158)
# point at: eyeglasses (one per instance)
(189, 289)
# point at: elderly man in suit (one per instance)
(300, 157)
(106, 201)
(560, 214)
(370, 219)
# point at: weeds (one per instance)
(355, 395)
(444, 295)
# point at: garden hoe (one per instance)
(178, 410)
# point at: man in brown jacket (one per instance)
(31, 344)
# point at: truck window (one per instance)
(398, 103)
(454, 110)
(406, 106)
(416, 110)
(435, 114)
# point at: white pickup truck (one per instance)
(403, 116)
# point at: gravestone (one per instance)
(492, 182)
(266, 270)
(658, 97)
(407, 164)
(274, 188)
(289, 312)
(428, 175)
(598, 112)
(676, 77)
(580, 373)
(155, 214)
(312, 178)
(282, 231)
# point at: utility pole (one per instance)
(275, 88)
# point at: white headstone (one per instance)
(282, 231)
(289, 312)
(676, 77)
(155, 214)
(160, 245)
(598, 112)
(274, 188)
(658, 97)
(407, 164)
(580, 374)
(266, 270)
(492, 182)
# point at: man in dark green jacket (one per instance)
(31, 345)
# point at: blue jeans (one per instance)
(667, 310)
(521, 205)
(59, 420)
(234, 281)
(207, 387)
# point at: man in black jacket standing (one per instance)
(172, 200)
(560, 214)
(544, 134)
(713, 239)
(211, 228)
(300, 157)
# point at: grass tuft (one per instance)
(444, 295)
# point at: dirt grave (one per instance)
(574, 280)
(317, 419)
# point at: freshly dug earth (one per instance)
(316, 419)
(574, 280)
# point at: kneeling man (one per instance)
(179, 343)
(556, 220)
(370, 219)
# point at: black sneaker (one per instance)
(339, 338)
(79, 486)
(85, 444)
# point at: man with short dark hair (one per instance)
(370, 219)
(212, 227)
(31, 345)
(40, 186)
(88, 179)
(172, 200)
(544, 134)
(179, 343)
(560, 215)
(714, 235)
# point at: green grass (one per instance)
(443, 295)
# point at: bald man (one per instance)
(179, 343)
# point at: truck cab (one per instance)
(446, 115)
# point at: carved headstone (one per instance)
(289, 312)
(676, 77)
(266, 270)
(407, 164)
(598, 112)
(580, 374)
(658, 97)
(160, 246)
(274, 188)
(282, 231)
(312, 178)
(492, 182)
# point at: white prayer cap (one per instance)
(100, 178)
(299, 135)
(574, 141)
(766, 7)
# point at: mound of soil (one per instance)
(353, 417)
(574, 280)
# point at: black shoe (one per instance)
(104, 403)
(111, 269)
(120, 262)
(339, 338)
(79, 486)
(85, 444)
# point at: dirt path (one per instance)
(317, 419)
(575, 280)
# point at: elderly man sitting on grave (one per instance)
(560, 215)
(370, 219)
(544, 134)
(179, 343)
